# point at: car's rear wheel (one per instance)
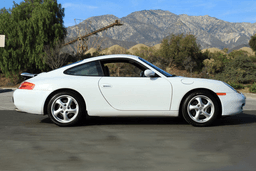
(66, 108)
(201, 108)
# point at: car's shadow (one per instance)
(134, 121)
(5, 90)
(126, 121)
(248, 117)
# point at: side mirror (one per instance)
(149, 73)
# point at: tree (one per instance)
(189, 65)
(53, 56)
(152, 55)
(170, 48)
(177, 48)
(252, 42)
(28, 27)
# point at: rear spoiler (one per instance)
(26, 75)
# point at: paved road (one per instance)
(6, 99)
(31, 142)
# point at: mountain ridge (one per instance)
(149, 27)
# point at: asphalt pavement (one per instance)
(6, 99)
(32, 142)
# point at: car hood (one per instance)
(193, 83)
(189, 81)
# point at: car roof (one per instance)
(117, 56)
(110, 56)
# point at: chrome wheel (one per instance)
(65, 109)
(200, 108)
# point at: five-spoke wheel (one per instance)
(200, 108)
(66, 108)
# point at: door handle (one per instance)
(106, 86)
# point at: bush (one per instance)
(239, 70)
(253, 88)
(253, 58)
(215, 62)
(237, 53)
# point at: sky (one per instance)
(227, 10)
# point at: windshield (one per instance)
(156, 68)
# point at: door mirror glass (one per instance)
(149, 73)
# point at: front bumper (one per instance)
(232, 103)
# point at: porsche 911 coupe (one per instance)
(124, 85)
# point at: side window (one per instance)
(87, 69)
(123, 69)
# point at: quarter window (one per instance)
(87, 69)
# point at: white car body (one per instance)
(124, 96)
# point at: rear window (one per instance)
(87, 69)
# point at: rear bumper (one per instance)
(30, 101)
(232, 103)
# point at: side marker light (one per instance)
(221, 94)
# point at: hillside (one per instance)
(149, 27)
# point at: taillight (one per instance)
(27, 86)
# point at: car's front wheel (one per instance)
(201, 108)
(66, 108)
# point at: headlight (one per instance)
(231, 87)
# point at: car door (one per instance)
(126, 92)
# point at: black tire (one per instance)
(201, 108)
(66, 108)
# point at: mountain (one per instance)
(151, 26)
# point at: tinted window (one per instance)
(87, 69)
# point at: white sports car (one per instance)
(124, 85)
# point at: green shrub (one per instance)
(237, 53)
(215, 63)
(253, 88)
(239, 70)
(236, 85)
(253, 58)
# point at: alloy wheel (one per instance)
(65, 109)
(200, 109)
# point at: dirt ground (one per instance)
(8, 82)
